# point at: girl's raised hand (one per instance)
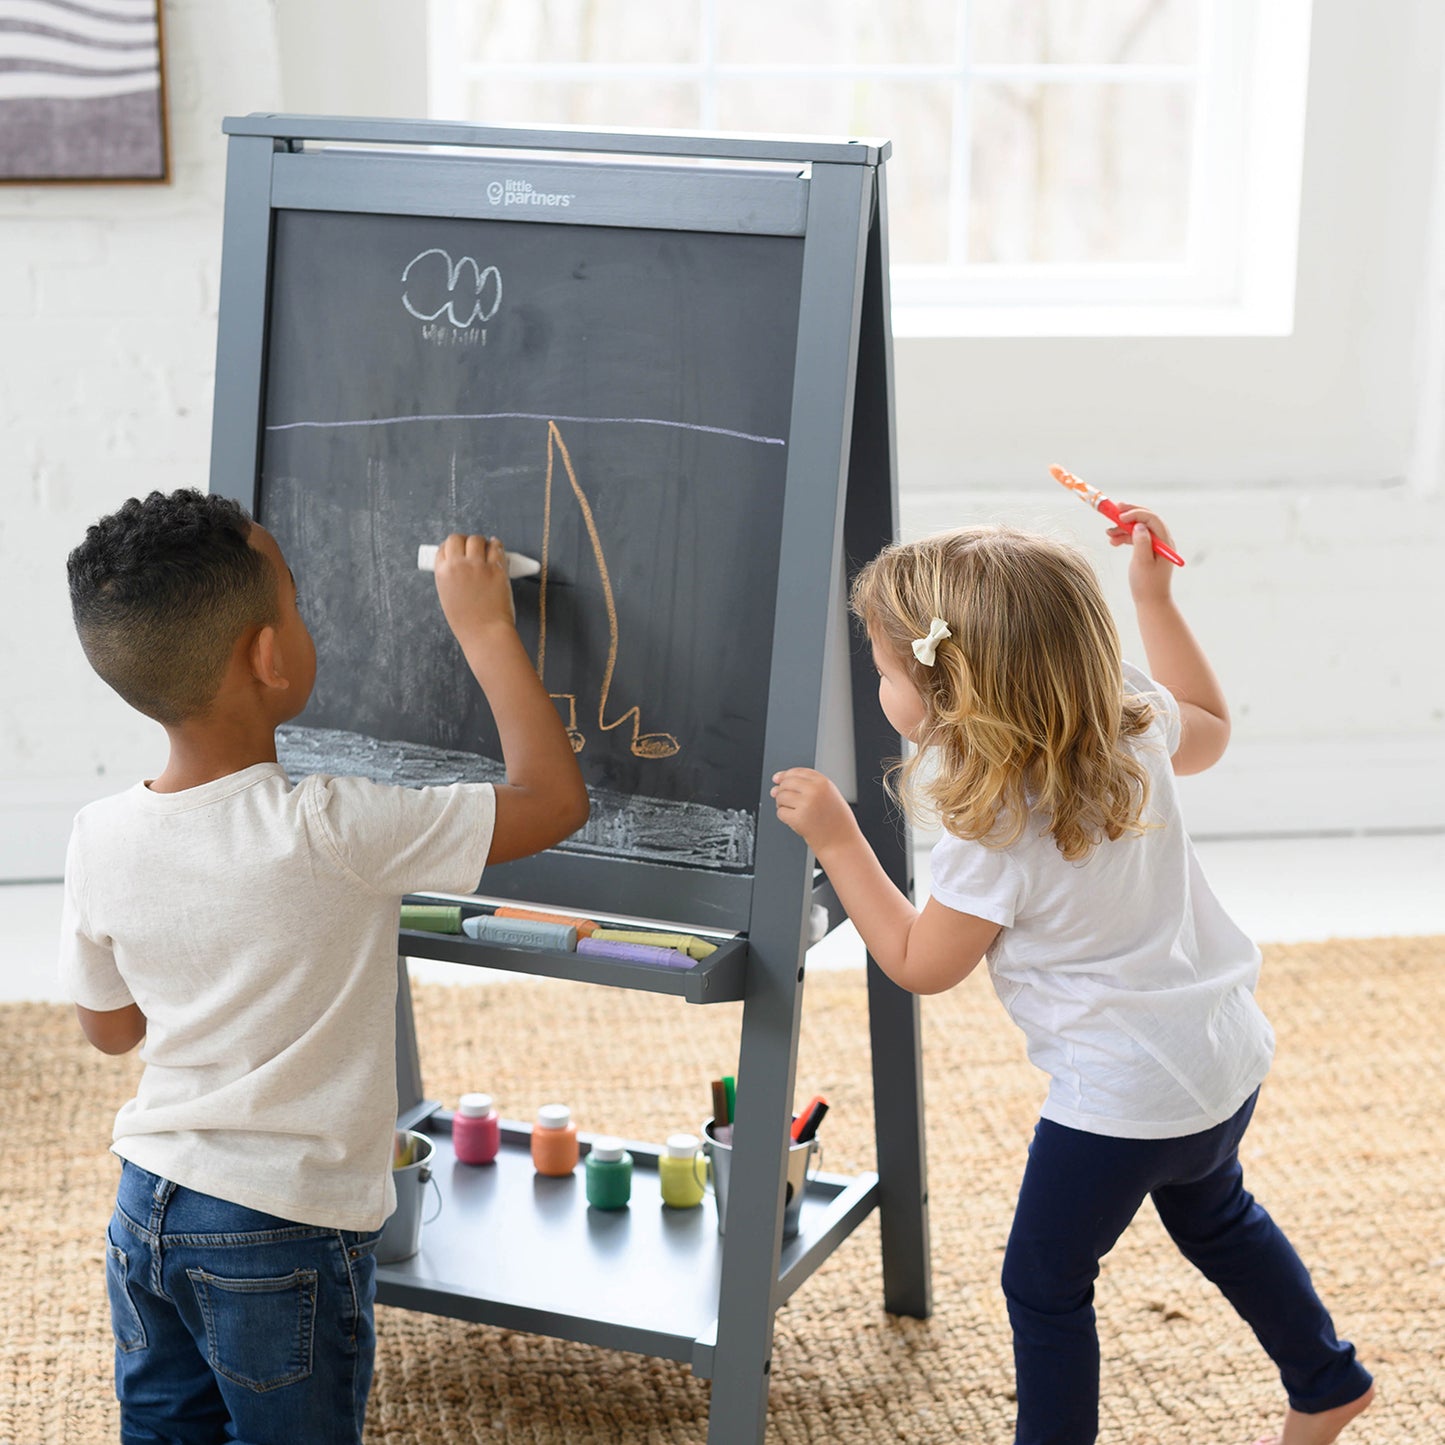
(812, 807)
(1149, 574)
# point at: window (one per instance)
(1059, 166)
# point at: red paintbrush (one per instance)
(1100, 503)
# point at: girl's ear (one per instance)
(267, 664)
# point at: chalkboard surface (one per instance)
(612, 402)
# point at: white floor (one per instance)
(1280, 890)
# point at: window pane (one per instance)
(1096, 32)
(835, 32)
(495, 100)
(915, 115)
(1079, 173)
(563, 31)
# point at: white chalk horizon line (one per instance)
(532, 416)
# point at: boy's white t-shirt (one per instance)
(254, 923)
(1134, 988)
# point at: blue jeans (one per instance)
(1078, 1195)
(232, 1325)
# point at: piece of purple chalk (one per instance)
(634, 952)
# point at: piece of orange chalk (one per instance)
(585, 927)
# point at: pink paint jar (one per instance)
(554, 1141)
(476, 1130)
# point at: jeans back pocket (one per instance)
(259, 1332)
(125, 1320)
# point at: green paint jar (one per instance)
(609, 1175)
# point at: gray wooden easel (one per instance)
(563, 1271)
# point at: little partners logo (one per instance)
(524, 193)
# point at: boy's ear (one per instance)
(267, 664)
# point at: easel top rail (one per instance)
(707, 145)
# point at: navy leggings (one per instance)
(1078, 1195)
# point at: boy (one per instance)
(246, 930)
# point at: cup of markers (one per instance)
(803, 1150)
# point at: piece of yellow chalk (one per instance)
(682, 942)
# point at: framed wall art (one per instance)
(82, 91)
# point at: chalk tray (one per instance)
(718, 978)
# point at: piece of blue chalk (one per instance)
(520, 932)
(635, 952)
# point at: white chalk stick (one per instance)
(517, 564)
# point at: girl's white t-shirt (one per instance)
(1134, 988)
(255, 925)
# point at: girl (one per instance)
(1050, 764)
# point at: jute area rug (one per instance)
(1347, 1150)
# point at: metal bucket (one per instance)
(800, 1165)
(401, 1234)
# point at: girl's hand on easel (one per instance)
(1150, 574)
(811, 805)
(472, 585)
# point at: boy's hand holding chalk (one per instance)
(517, 564)
(473, 584)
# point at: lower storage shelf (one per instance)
(517, 1250)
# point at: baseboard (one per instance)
(1259, 789)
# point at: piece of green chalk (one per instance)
(432, 917)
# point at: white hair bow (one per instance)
(925, 649)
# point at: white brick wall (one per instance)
(1325, 628)
(1320, 609)
(108, 316)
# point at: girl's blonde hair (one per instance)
(1024, 708)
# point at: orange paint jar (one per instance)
(554, 1141)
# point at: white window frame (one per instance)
(1238, 274)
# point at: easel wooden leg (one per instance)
(742, 1362)
(738, 1414)
(893, 1027)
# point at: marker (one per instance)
(805, 1126)
(1100, 503)
(633, 952)
(720, 1115)
(517, 564)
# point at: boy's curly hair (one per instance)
(1025, 709)
(160, 590)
